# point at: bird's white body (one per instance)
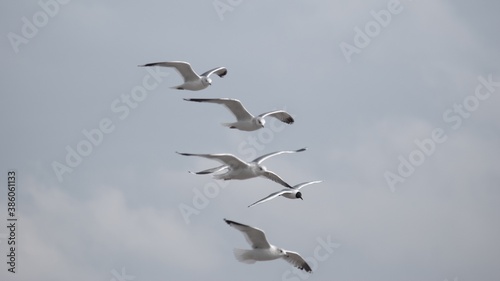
(245, 125)
(195, 85)
(253, 255)
(251, 171)
(290, 195)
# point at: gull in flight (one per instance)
(245, 121)
(262, 250)
(290, 193)
(192, 81)
(238, 169)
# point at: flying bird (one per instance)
(192, 81)
(238, 169)
(290, 193)
(245, 121)
(262, 250)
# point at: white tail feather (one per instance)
(230, 125)
(243, 256)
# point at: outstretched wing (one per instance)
(296, 260)
(271, 196)
(184, 69)
(226, 159)
(301, 185)
(220, 71)
(260, 159)
(234, 105)
(254, 236)
(274, 177)
(281, 115)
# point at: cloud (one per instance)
(106, 232)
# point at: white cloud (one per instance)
(70, 232)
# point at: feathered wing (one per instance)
(220, 71)
(234, 105)
(274, 177)
(271, 196)
(254, 236)
(226, 159)
(301, 185)
(296, 260)
(281, 115)
(184, 69)
(260, 159)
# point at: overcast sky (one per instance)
(397, 103)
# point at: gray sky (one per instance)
(368, 97)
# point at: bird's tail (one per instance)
(243, 256)
(230, 125)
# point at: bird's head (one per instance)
(282, 252)
(262, 168)
(260, 121)
(299, 195)
(206, 81)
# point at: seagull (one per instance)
(262, 250)
(245, 121)
(292, 193)
(239, 169)
(192, 81)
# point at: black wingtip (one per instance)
(302, 149)
(308, 268)
(147, 64)
(195, 99)
(230, 222)
(223, 74)
(201, 173)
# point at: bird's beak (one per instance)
(301, 198)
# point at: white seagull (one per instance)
(245, 121)
(290, 193)
(262, 250)
(241, 170)
(192, 81)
